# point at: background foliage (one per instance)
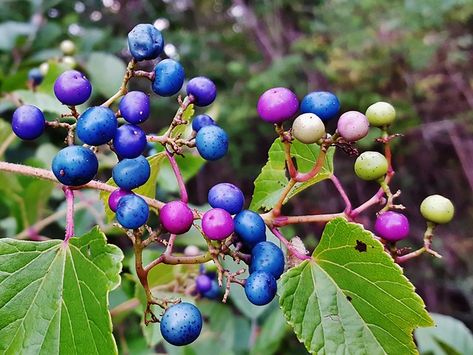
(416, 54)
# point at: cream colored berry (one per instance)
(308, 128)
(437, 209)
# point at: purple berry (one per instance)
(226, 196)
(115, 197)
(200, 121)
(176, 217)
(277, 105)
(392, 226)
(129, 141)
(72, 88)
(217, 224)
(28, 122)
(203, 283)
(203, 89)
(353, 125)
(134, 107)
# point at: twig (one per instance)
(69, 194)
(177, 173)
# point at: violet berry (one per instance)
(392, 226)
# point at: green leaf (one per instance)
(272, 180)
(105, 72)
(54, 70)
(351, 297)
(11, 31)
(449, 336)
(5, 132)
(43, 101)
(272, 334)
(186, 116)
(148, 189)
(54, 296)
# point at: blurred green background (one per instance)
(418, 55)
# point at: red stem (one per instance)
(288, 245)
(69, 194)
(180, 180)
(342, 193)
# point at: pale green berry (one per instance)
(67, 47)
(371, 165)
(437, 209)
(308, 128)
(44, 68)
(69, 61)
(381, 114)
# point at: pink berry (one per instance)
(353, 125)
(217, 224)
(115, 197)
(392, 226)
(277, 105)
(176, 217)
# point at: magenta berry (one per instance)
(392, 226)
(353, 125)
(176, 217)
(217, 224)
(115, 197)
(277, 105)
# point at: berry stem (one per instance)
(69, 194)
(288, 245)
(302, 177)
(282, 197)
(338, 185)
(123, 88)
(281, 221)
(428, 235)
(144, 74)
(6, 143)
(177, 173)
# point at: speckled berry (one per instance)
(134, 107)
(392, 226)
(226, 196)
(115, 197)
(97, 125)
(211, 142)
(131, 173)
(324, 104)
(75, 165)
(169, 77)
(129, 141)
(181, 324)
(381, 114)
(268, 257)
(437, 209)
(308, 128)
(200, 121)
(145, 42)
(176, 217)
(72, 88)
(28, 122)
(260, 288)
(202, 89)
(371, 165)
(217, 224)
(353, 125)
(250, 228)
(277, 105)
(203, 283)
(132, 211)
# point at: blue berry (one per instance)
(134, 107)
(72, 88)
(75, 165)
(250, 228)
(214, 291)
(212, 142)
(226, 196)
(260, 288)
(200, 121)
(203, 89)
(169, 77)
(115, 197)
(35, 76)
(321, 103)
(268, 257)
(181, 324)
(129, 141)
(131, 173)
(97, 125)
(203, 283)
(145, 42)
(28, 122)
(132, 211)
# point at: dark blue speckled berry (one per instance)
(131, 173)
(97, 125)
(145, 42)
(129, 141)
(35, 76)
(324, 104)
(28, 122)
(250, 228)
(203, 283)
(268, 257)
(226, 196)
(75, 165)
(200, 121)
(203, 89)
(181, 324)
(132, 211)
(214, 293)
(212, 142)
(260, 288)
(169, 77)
(134, 107)
(72, 88)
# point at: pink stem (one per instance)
(69, 213)
(289, 246)
(342, 193)
(315, 218)
(180, 180)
